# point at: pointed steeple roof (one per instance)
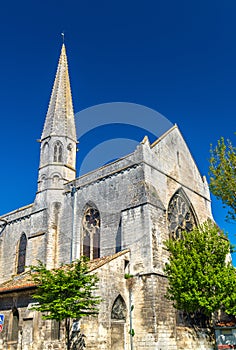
(60, 115)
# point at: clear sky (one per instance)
(176, 57)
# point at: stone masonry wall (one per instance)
(111, 195)
(112, 283)
(34, 225)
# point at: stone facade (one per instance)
(119, 216)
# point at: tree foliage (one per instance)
(223, 175)
(199, 278)
(65, 293)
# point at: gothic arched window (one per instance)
(45, 148)
(57, 153)
(21, 254)
(91, 233)
(180, 215)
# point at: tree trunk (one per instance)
(67, 335)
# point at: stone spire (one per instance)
(60, 116)
(57, 158)
(58, 140)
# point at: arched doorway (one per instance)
(118, 320)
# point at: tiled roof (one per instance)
(24, 280)
(226, 324)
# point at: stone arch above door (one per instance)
(118, 323)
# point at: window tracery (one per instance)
(21, 254)
(91, 233)
(180, 216)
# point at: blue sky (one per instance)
(176, 57)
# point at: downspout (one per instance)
(130, 318)
(130, 311)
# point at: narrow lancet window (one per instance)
(118, 238)
(45, 148)
(91, 233)
(21, 254)
(57, 155)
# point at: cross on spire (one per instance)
(63, 37)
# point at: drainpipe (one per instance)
(130, 318)
(130, 311)
(21, 340)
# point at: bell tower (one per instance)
(58, 140)
(57, 159)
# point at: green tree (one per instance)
(65, 293)
(223, 175)
(199, 278)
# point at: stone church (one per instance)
(119, 216)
